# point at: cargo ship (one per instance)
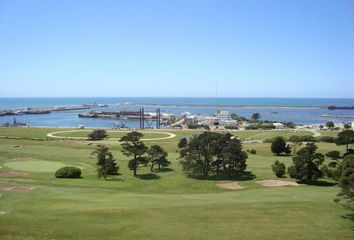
(334, 107)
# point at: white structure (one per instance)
(185, 114)
(223, 116)
(230, 123)
(278, 125)
(208, 120)
(190, 119)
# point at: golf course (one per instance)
(161, 204)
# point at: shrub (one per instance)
(278, 168)
(196, 126)
(253, 151)
(231, 127)
(268, 140)
(327, 139)
(292, 172)
(331, 172)
(97, 134)
(68, 172)
(334, 155)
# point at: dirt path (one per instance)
(13, 174)
(53, 135)
(18, 189)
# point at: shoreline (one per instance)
(219, 106)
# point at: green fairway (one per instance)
(263, 134)
(111, 134)
(157, 205)
(35, 166)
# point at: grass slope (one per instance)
(158, 205)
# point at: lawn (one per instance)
(156, 205)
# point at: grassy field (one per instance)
(156, 205)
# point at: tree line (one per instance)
(212, 153)
(134, 148)
(308, 164)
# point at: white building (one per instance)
(190, 119)
(278, 125)
(223, 115)
(230, 123)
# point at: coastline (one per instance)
(218, 106)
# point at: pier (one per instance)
(50, 109)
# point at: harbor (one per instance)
(72, 112)
(29, 110)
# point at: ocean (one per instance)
(298, 110)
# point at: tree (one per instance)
(234, 116)
(212, 152)
(256, 116)
(157, 156)
(197, 156)
(346, 138)
(97, 134)
(347, 126)
(296, 142)
(134, 147)
(279, 168)
(346, 181)
(279, 146)
(306, 164)
(106, 164)
(335, 165)
(234, 158)
(330, 125)
(182, 143)
(222, 140)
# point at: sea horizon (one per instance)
(21, 102)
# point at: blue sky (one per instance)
(264, 48)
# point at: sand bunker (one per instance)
(13, 174)
(229, 185)
(18, 189)
(277, 183)
(18, 146)
(3, 213)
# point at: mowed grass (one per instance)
(159, 205)
(111, 134)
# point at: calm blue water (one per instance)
(298, 110)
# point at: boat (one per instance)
(334, 107)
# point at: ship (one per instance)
(334, 107)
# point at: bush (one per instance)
(97, 134)
(331, 172)
(264, 126)
(196, 126)
(307, 138)
(327, 139)
(278, 168)
(334, 155)
(68, 172)
(253, 151)
(292, 172)
(231, 127)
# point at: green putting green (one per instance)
(35, 165)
